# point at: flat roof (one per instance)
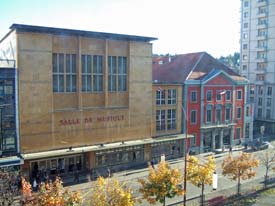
(62, 31)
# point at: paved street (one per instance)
(131, 176)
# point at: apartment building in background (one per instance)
(257, 60)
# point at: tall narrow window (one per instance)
(247, 111)
(268, 102)
(239, 112)
(58, 73)
(86, 70)
(260, 112)
(218, 115)
(160, 120)
(269, 91)
(260, 101)
(238, 133)
(247, 127)
(194, 96)
(117, 73)
(228, 113)
(193, 141)
(97, 73)
(239, 94)
(208, 115)
(260, 90)
(70, 73)
(171, 119)
(228, 95)
(172, 96)
(193, 118)
(268, 113)
(160, 97)
(112, 73)
(209, 96)
(122, 74)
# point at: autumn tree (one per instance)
(200, 173)
(28, 199)
(49, 194)
(267, 160)
(240, 167)
(54, 194)
(9, 187)
(110, 192)
(162, 182)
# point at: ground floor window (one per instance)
(170, 149)
(54, 166)
(119, 156)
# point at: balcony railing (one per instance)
(218, 124)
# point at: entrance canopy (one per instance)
(77, 150)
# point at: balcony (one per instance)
(262, 2)
(262, 14)
(262, 26)
(261, 59)
(262, 37)
(222, 124)
(261, 48)
(260, 70)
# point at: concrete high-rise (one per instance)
(258, 59)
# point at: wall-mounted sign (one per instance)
(89, 120)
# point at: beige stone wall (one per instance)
(165, 107)
(58, 120)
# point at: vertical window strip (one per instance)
(208, 115)
(86, 64)
(227, 114)
(112, 73)
(160, 120)
(117, 73)
(193, 116)
(122, 74)
(160, 97)
(58, 72)
(172, 96)
(97, 73)
(70, 73)
(171, 119)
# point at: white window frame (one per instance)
(172, 97)
(160, 97)
(239, 113)
(239, 92)
(171, 119)
(160, 120)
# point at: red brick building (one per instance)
(214, 108)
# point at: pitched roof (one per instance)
(192, 66)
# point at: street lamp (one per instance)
(185, 158)
(159, 89)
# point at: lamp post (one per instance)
(185, 158)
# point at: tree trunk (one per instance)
(266, 177)
(164, 201)
(202, 192)
(239, 185)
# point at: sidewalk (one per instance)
(127, 175)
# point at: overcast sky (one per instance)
(181, 26)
